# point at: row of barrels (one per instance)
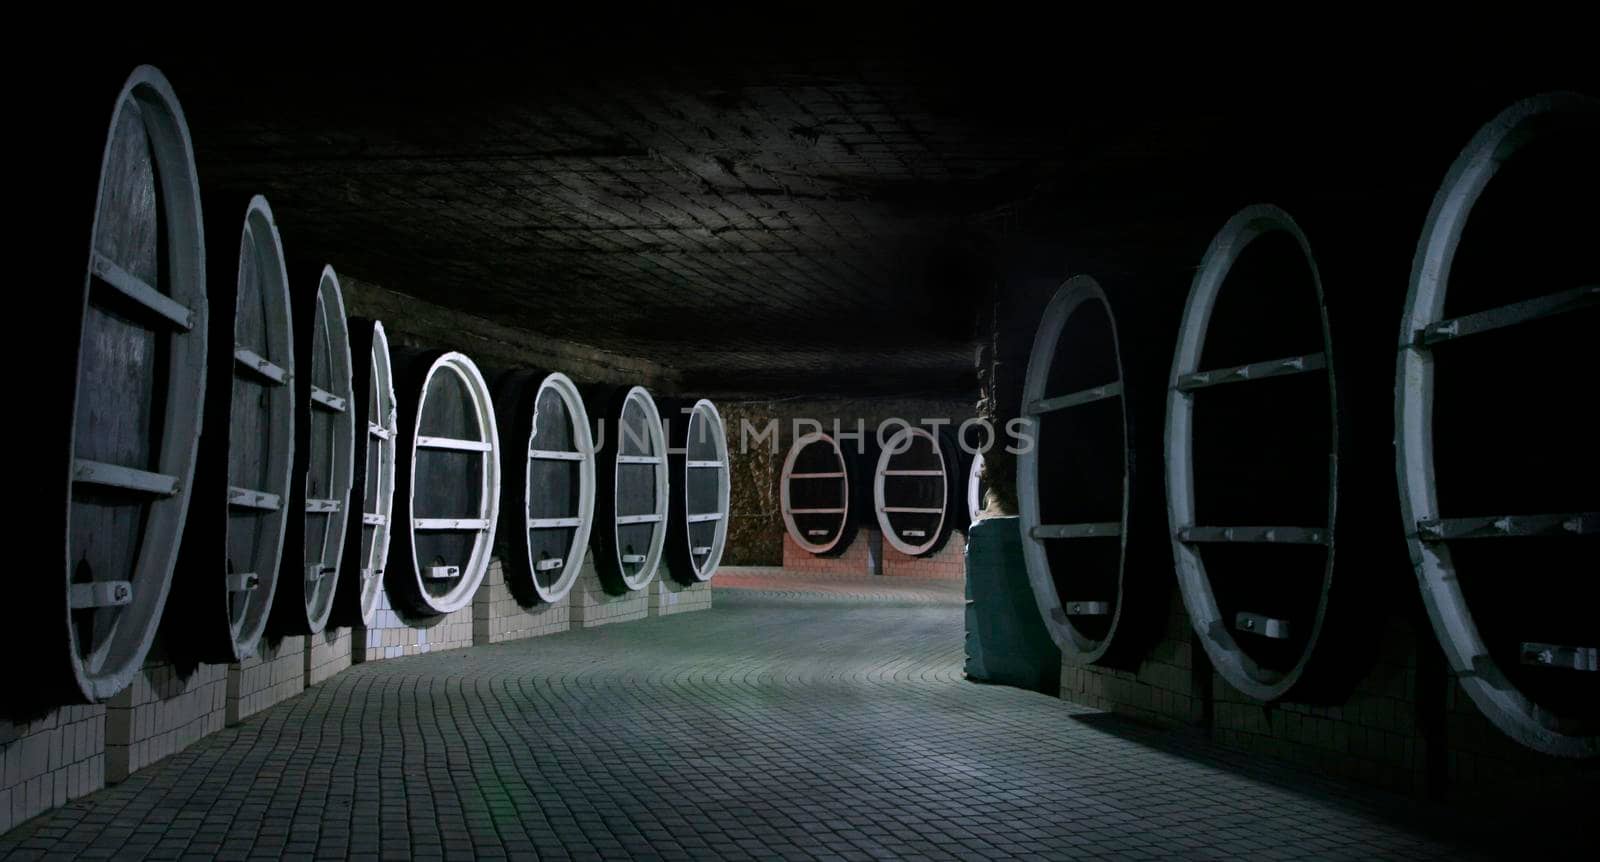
(911, 485)
(1278, 515)
(236, 442)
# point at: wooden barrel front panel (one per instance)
(228, 569)
(325, 458)
(631, 504)
(1073, 482)
(1252, 453)
(1497, 462)
(700, 485)
(141, 337)
(912, 491)
(376, 422)
(553, 498)
(815, 495)
(450, 464)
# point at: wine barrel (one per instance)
(699, 477)
(914, 490)
(977, 489)
(542, 416)
(1086, 503)
(448, 502)
(373, 480)
(324, 456)
(129, 380)
(631, 488)
(1256, 439)
(233, 545)
(817, 494)
(1498, 468)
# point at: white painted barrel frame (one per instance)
(634, 498)
(976, 489)
(557, 499)
(450, 503)
(1082, 604)
(140, 378)
(700, 499)
(1527, 658)
(329, 461)
(1260, 650)
(816, 512)
(228, 568)
(912, 467)
(366, 559)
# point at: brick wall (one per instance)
(164, 711)
(497, 615)
(1383, 733)
(412, 322)
(395, 633)
(667, 596)
(327, 654)
(48, 760)
(949, 561)
(1166, 688)
(274, 674)
(856, 559)
(593, 606)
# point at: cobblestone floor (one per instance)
(803, 717)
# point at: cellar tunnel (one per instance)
(704, 443)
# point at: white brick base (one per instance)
(162, 713)
(49, 760)
(326, 654)
(273, 675)
(394, 634)
(667, 596)
(593, 606)
(497, 616)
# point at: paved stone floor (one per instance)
(803, 717)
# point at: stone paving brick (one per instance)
(805, 717)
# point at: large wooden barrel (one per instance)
(126, 381)
(552, 495)
(1256, 444)
(817, 494)
(373, 481)
(1087, 504)
(915, 496)
(448, 501)
(631, 498)
(1498, 465)
(700, 480)
(324, 456)
(232, 547)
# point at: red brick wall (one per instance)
(949, 561)
(852, 562)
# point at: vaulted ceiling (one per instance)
(815, 218)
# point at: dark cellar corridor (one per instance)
(671, 436)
